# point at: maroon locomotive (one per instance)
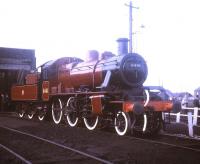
(100, 91)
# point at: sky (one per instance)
(169, 41)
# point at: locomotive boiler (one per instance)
(101, 91)
(126, 71)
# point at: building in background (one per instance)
(14, 65)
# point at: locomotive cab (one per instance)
(86, 73)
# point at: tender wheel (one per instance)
(91, 122)
(71, 114)
(122, 123)
(21, 110)
(21, 113)
(30, 115)
(57, 111)
(41, 117)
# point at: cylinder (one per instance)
(122, 46)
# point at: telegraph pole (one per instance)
(131, 26)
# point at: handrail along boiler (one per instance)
(101, 92)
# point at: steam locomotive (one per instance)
(98, 92)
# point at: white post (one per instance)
(163, 116)
(195, 116)
(190, 125)
(178, 116)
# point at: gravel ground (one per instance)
(105, 145)
(6, 157)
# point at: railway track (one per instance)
(163, 133)
(16, 156)
(24, 138)
(8, 113)
(172, 141)
(112, 148)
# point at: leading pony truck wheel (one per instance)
(122, 123)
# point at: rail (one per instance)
(57, 144)
(16, 155)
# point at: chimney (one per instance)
(122, 46)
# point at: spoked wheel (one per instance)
(20, 110)
(41, 115)
(57, 111)
(148, 123)
(91, 122)
(21, 113)
(139, 124)
(30, 115)
(144, 127)
(122, 123)
(154, 123)
(71, 114)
